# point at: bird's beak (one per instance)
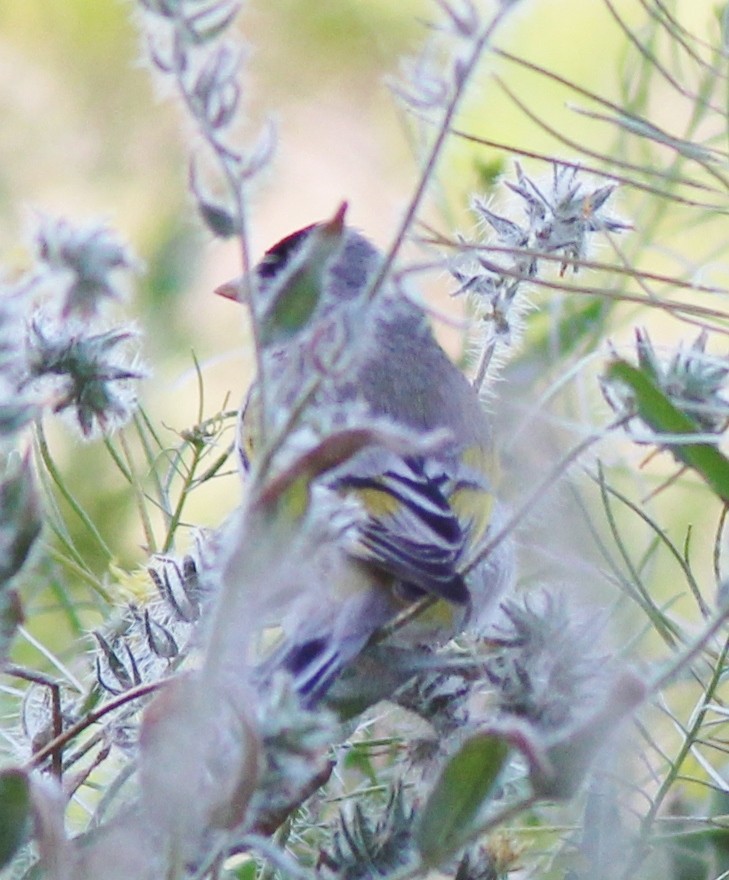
(231, 289)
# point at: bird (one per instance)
(401, 525)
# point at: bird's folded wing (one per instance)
(409, 528)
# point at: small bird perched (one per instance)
(401, 526)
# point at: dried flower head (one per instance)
(548, 671)
(496, 274)
(86, 259)
(441, 697)
(158, 624)
(693, 380)
(556, 222)
(17, 409)
(89, 374)
(14, 305)
(364, 846)
(178, 584)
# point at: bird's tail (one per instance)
(325, 641)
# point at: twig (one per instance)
(134, 693)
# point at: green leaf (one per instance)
(296, 299)
(246, 871)
(459, 795)
(660, 414)
(489, 172)
(219, 220)
(359, 758)
(14, 812)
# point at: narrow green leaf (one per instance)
(20, 518)
(14, 812)
(459, 795)
(301, 289)
(219, 220)
(660, 414)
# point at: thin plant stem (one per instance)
(188, 481)
(692, 732)
(465, 74)
(68, 735)
(139, 496)
(536, 494)
(660, 194)
(79, 570)
(52, 659)
(151, 457)
(66, 494)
